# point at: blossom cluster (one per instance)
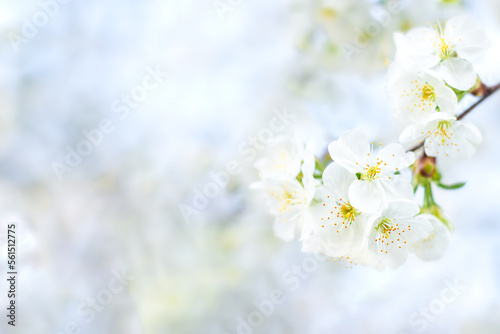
(431, 73)
(358, 202)
(360, 207)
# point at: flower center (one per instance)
(446, 49)
(428, 93)
(385, 227)
(342, 214)
(287, 199)
(281, 160)
(444, 46)
(371, 172)
(348, 212)
(442, 131)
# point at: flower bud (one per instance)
(437, 212)
(425, 170)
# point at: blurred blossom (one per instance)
(120, 207)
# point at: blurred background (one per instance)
(118, 117)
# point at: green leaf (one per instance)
(319, 165)
(358, 175)
(299, 178)
(451, 186)
(459, 93)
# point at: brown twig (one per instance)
(487, 91)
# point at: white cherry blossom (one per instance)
(443, 135)
(377, 184)
(436, 243)
(283, 158)
(447, 50)
(339, 226)
(417, 95)
(289, 201)
(391, 236)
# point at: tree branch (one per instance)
(487, 91)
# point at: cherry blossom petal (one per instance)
(337, 180)
(469, 38)
(446, 99)
(397, 187)
(436, 243)
(366, 196)
(401, 209)
(395, 157)
(458, 73)
(307, 226)
(351, 147)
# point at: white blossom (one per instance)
(339, 226)
(436, 243)
(392, 235)
(289, 199)
(443, 135)
(283, 158)
(417, 95)
(446, 50)
(377, 182)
